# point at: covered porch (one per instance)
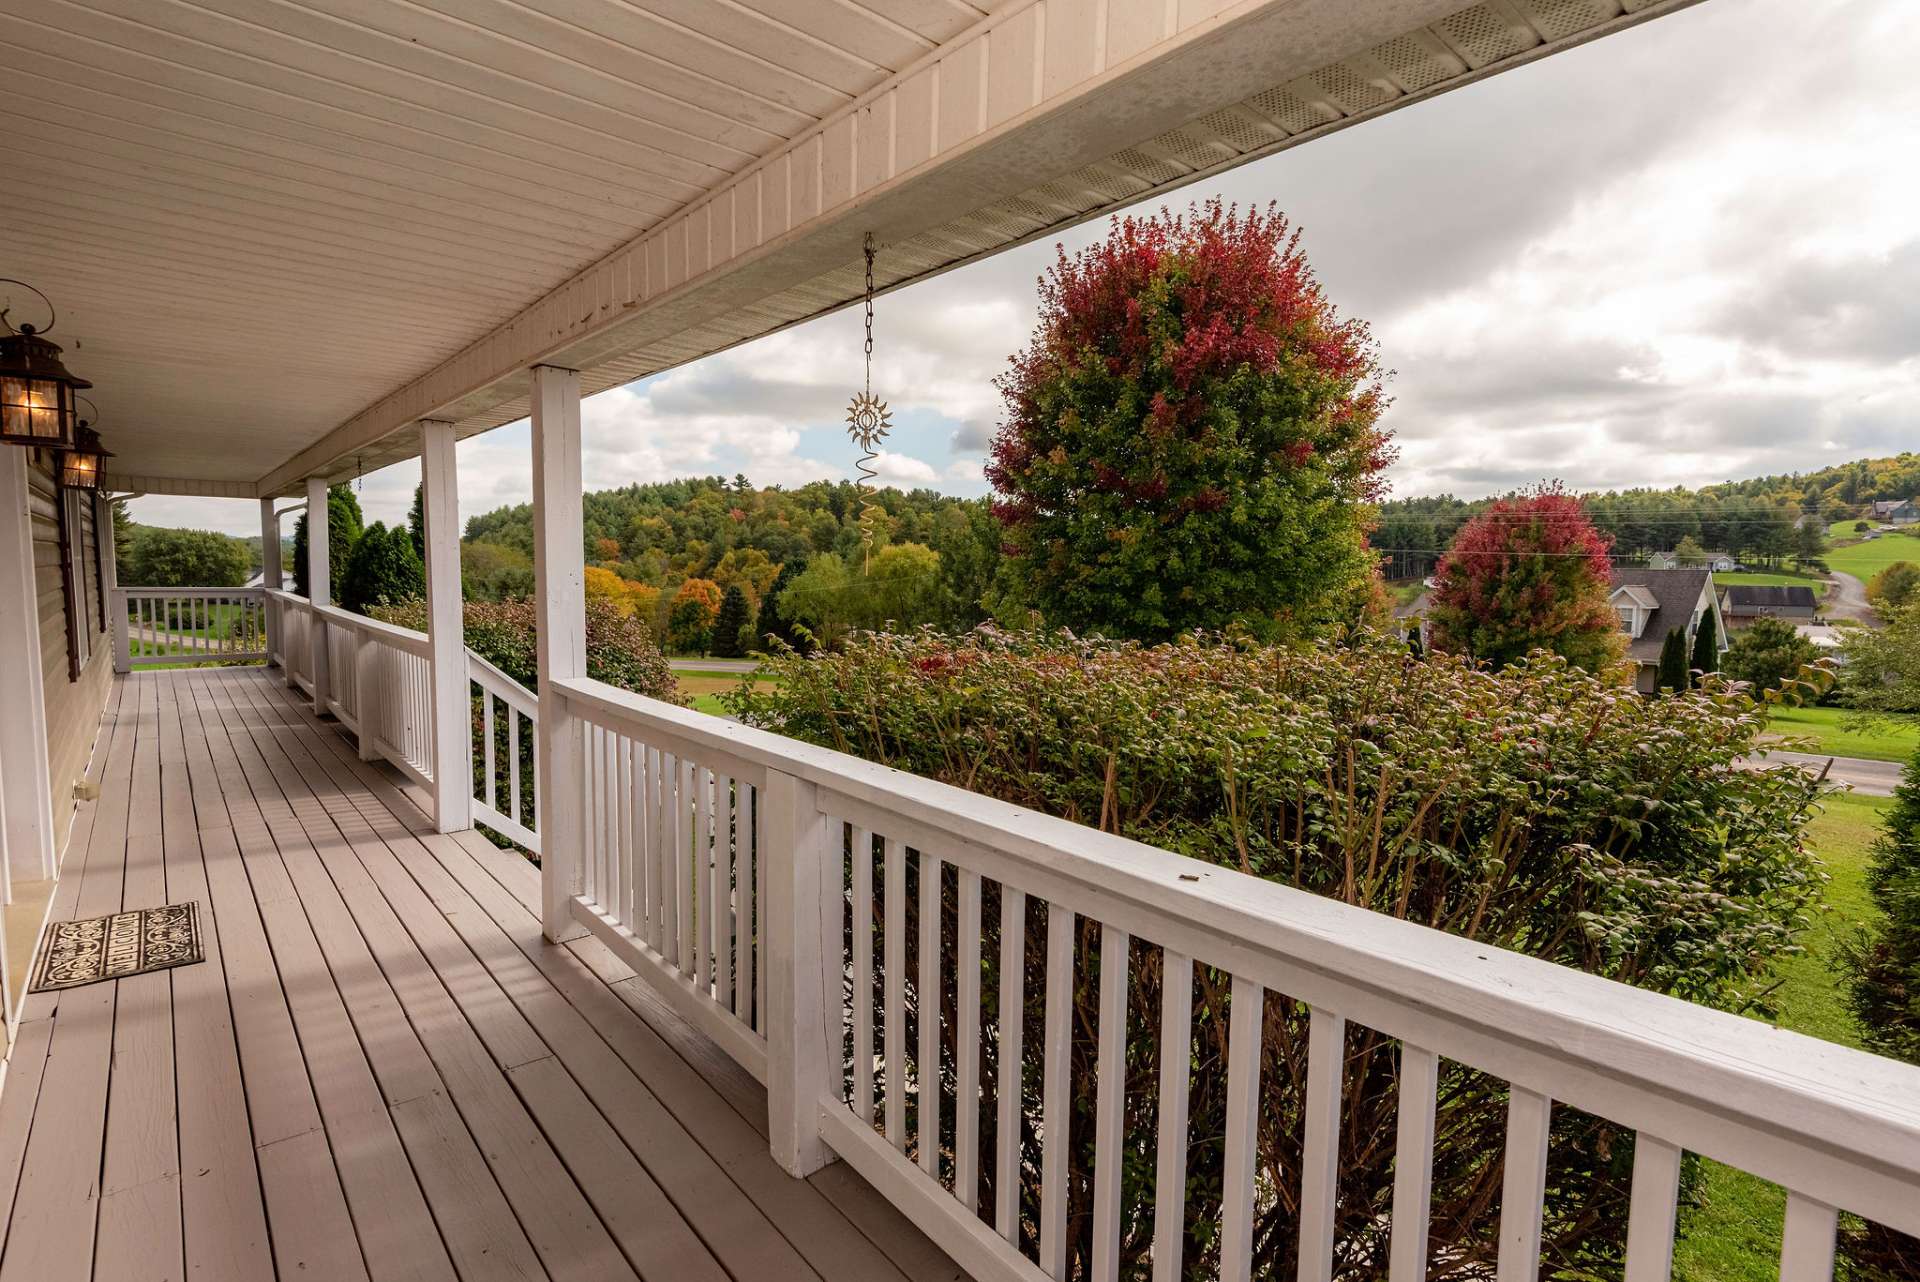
(691, 1042)
(382, 1070)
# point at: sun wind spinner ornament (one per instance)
(868, 422)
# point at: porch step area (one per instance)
(381, 1070)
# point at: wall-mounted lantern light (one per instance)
(81, 466)
(36, 390)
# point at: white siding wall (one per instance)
(73, 707)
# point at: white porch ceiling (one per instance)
(280, 231)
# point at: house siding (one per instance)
(73, 706)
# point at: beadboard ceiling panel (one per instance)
(281, 231)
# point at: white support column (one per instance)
(366, 697)
(26, 791)
(803, 1051)
(446, 628)
(319, 589)
(269, 544)
(270, 572)
(110, 599)
(560, 603)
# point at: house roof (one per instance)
(1751, 596)
(1638, 595)
(1414, 609)
(1674, 594)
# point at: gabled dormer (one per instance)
(1635, 606)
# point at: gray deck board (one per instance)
(382, 1070)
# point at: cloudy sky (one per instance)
(1683, 254)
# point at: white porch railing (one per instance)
(721, 863)
(760, 885)
(159, 627)
(506, 790)
(379, 684)
(379, 678)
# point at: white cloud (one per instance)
(903, 471)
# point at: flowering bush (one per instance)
(1538, 809)
(620, 649)
(1191, 437)
(620, 652)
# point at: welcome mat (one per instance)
(118, 945)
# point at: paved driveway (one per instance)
(1869, 778)
(1848, 600)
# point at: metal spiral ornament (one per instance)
(868, 421)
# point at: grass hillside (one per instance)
(1864, 560)
(1835, 733)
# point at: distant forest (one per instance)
(650, 541)
(1754, 520)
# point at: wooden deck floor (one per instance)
(381, 1070)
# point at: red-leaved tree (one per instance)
(1191, 438)
(1529, 573)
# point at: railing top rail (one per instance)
(499, 683)
(190, 592)
(399, 638)
(1709, 1080)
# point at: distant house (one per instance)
(1897, 511)
(1824, 635)
(1742, 603)
(1652, 603)
(1718, 562)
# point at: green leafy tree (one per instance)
(1897, 585)
(771, 622)
(690, 616)
(417, 524)
(1529, 573)
(1810, 545)
(1672, 672)
(1768, 654)
(494, 572)
(730, 624)
(123, 529)
(344, 524)
(1192, 436)
(822, 599)
(1688, 552)
(1882, 967)
(382, 569)
(1706, 644)
(901, 589)
(1880, 671)
(159, 557)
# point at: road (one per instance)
(1868, 778)
(714, 665)
(1848, 600)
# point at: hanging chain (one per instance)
(869, 313)
(867, 424)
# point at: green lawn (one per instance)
(1733, 1235)
(1883, 739)
(705, 688)
(220, 621)
(1864, 560)
(1758, 578)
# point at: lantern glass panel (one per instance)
(34, 409)
(80, 471)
